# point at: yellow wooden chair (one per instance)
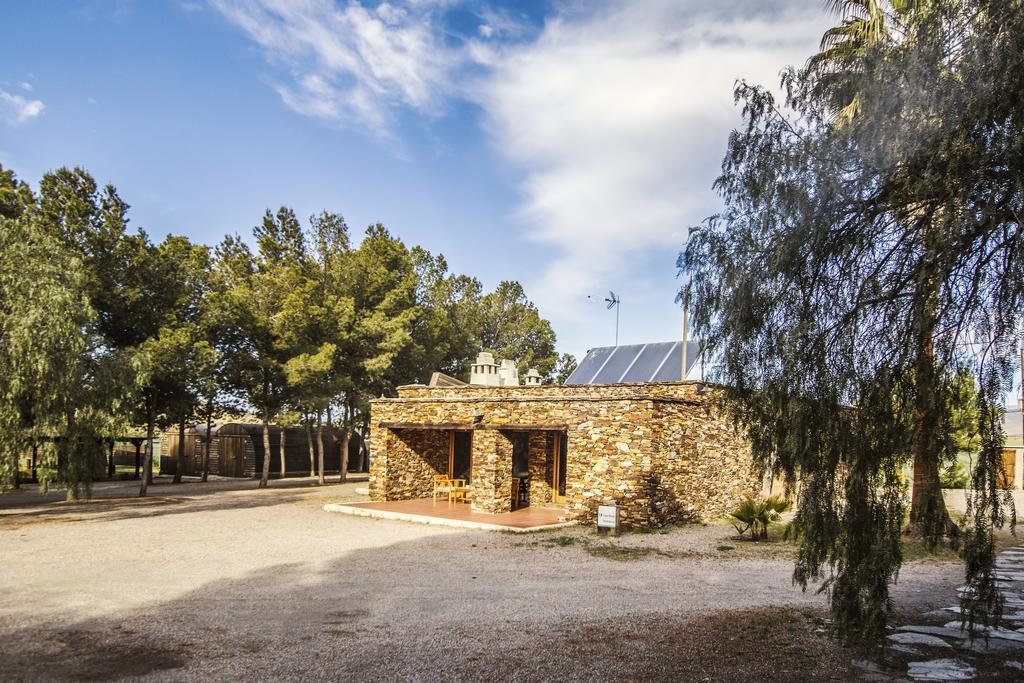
(442, 485)
(459, 491)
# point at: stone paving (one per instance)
(942, 650)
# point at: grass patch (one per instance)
(621, 553)
(648, 530)
(604, 549)
(561, 541)
(915, 549)
(769, 644)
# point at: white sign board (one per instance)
(607, 517)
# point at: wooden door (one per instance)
(560, 461)
(1006, 475)
(231, 455)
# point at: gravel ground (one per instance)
(223, 581)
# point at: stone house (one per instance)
(656, 449)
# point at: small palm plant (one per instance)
(754, 516)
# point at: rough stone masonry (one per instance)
(660, 451)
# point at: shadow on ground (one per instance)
(164, 498)
(450, 606)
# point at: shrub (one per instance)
(754, 516)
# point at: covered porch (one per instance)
(503, 468)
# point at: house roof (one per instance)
(636, 363)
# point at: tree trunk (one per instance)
(280, 448)
(265, 476)
(344, 455)
(147, 459)
(928, 516)
(110, 463)
(179, 466)
(152, 447)
(209, 439)
(309, 442)
(331, 438)
(365, 444)
(66, 444)
(346, 423)
(320, 444)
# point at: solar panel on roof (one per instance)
(588, 367)
(635, 363)
(672, 369)
(650, 359)
(616, 364)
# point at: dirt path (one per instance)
(265, 585)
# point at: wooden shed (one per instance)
(236, 450)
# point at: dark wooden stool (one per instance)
(520, 492)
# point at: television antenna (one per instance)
(613, 301)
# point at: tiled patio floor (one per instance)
(443, 513)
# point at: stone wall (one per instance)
(542, 453)
(414, 457)
(492, 471)
(656, 450)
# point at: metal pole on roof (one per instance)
(613, 300)
(616, 324)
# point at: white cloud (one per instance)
(616, 114)
(16, 109)
(351, 65)
(26, 86)
(618, 121)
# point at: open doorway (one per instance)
(460, 455)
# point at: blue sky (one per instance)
(564, 145)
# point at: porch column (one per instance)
(382, 439)
(492, 471)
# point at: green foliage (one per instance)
(63, 382)
(565, 367)
(511, 327)
(863, 265)
(955, 476)
(754, 516)
(101, 330)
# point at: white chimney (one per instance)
(533, 377)
(485, 371)
(509, 374)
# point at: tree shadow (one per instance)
(165, 499)
(28, 495)
(447, 605)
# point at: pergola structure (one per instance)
(110, 442)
